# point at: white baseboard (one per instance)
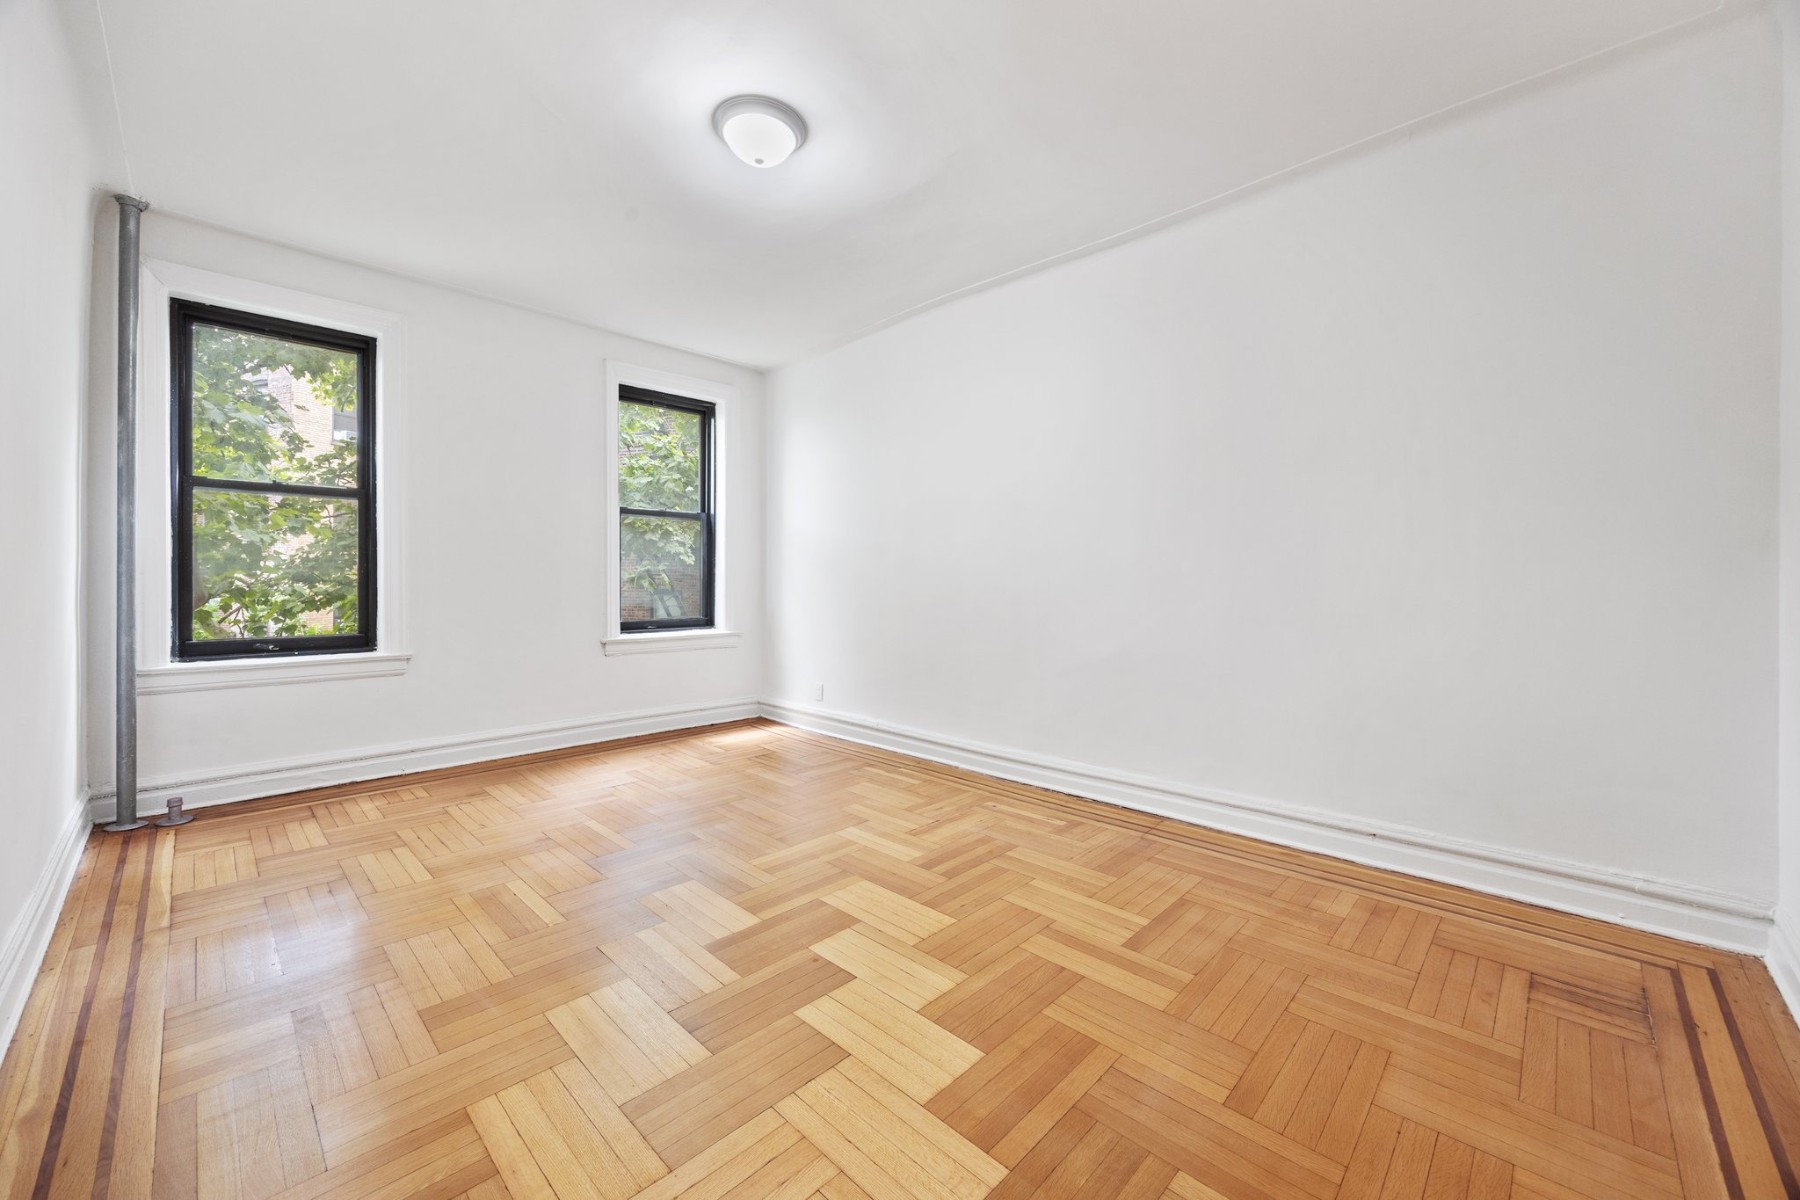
(28, 939)
(1725, 920)
(203, 789)
(1730, 921)
(1784, 959)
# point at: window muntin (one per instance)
(274, 470)
(666, 529)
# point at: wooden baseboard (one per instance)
(23, 951)
(202, 789)
(1731, 922)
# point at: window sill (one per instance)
(672, 639)
(240, 673)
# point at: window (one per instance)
(666, 517)
(274, 486)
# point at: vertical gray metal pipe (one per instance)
(131, 210)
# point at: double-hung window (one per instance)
(274, 486)
(666, 517)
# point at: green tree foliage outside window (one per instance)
(660, 471)
(268, 564)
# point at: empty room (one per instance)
(832, 600)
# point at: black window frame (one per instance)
(184, 315)
(707, 516)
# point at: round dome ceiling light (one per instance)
(761, 131)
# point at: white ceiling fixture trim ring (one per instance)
(760, 130)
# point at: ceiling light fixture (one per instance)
(761, 131)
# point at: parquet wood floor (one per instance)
(750, 962)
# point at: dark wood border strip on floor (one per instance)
(1777, 1147)
(65, 1095)
(1715, 1119)
(127, 1018)
(47, 1164)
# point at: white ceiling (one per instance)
(558, 153)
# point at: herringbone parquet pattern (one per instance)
(750, 962)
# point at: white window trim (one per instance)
(158, 671)
(723, 397)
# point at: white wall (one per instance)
(48, 164)
(1435, 487)
(1784, 958)
(503, 536)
